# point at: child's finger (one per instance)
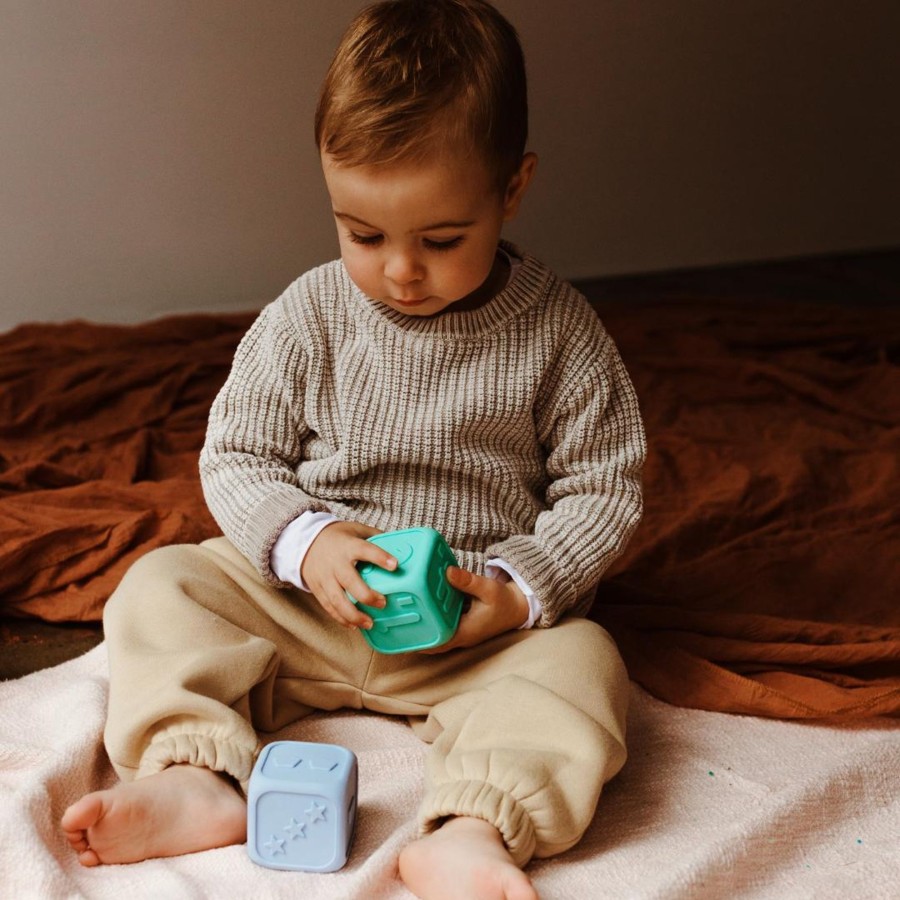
(344, 612)
(374, 554)
(470, 583)
(362, 593)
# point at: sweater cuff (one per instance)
(267, 521)
(552, 585)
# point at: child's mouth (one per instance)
(414, 302)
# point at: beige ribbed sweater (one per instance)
(512, 429)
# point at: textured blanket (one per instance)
(763, 580)
(708, 806)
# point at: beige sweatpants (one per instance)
(525, 729)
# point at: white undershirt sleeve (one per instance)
(286, 558)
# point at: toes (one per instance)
(76, 821)
(82, 814)
(88, 858)
(520, 889)
(77, 840)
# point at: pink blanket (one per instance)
(708, 806)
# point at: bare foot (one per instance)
(179, 810)
(465, 859)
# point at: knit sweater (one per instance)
(512, 429)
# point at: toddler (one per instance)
(434, 375)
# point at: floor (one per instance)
(871, 278)
(27, 645)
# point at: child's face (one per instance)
(420, 237)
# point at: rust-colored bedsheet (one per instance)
(765, 578)
(100, 430)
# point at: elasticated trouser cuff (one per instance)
(483, 801)
(200, 750)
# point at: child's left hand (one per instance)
(498, 605)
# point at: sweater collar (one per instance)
(526, 287)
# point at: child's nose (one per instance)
(403, 268)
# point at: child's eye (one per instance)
(367, 240)
(443, 245)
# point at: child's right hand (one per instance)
(329, 569)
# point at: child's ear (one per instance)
(518, 184)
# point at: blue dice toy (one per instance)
(301, 806)
(422, 608)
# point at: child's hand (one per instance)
(498, 605)
(329, 569)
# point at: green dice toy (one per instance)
(422, 608)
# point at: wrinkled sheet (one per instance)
(707, 806)
(764, 578)
(100, 430)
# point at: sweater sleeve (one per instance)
(590, 425)
(254, 441)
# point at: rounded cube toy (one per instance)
(422, 608)
(301, 806)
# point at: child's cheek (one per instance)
(360, 272)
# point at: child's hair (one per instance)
(415, 77)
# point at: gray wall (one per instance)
(156, 154)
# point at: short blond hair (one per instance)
(412, 78)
